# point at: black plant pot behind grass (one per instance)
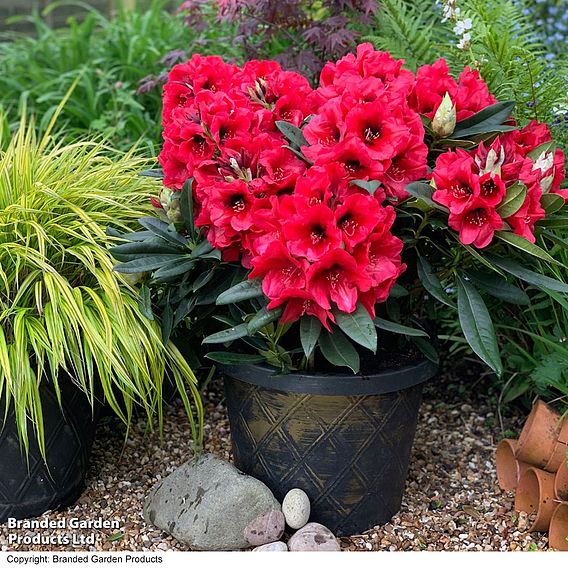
(344, 439)
(30, 486)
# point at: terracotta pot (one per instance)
(558, 457)
(561, 483)
(535, 494)
(538, 438)
(558, 534)
(509, 468)
(563, 436)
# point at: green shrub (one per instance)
(110, 56)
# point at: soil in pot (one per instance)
(28, 485)
(344, 439)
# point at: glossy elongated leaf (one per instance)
(167, 322)
(242, 291)
(234, 358)
(371, 186)
(162, 229)
(299, 154)
(359, 326)
(394, 327)
(514, 199)
(203, 279)
(397, 291)
(173, 269)
(477, 325)
(310, 330)
(426, 348)
(534, 278)
(498, 287)
(292, 133)
(145, 302)
(555, 222)
(489, 119)
(227, 335)
(262, 319)
(522, 244)
(145, 264)
(551, 202)
(423, 191)
(201, 249)
(337, 349)
(431, 282)
(186, 207)
(156, 173)
(153, 245)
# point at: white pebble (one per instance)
(296, 508)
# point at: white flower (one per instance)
(462, 26)
(464, 41)
(544, 162)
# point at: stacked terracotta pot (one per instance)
(535, 467)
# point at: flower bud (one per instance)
(444, 121)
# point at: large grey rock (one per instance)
(207, 503)
(312, 538)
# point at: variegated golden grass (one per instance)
(62, 308)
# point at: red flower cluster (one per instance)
(473, 186)
(306, 226)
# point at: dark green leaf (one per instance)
(186, 207)
(310, 330)
(162, 229)
(431, 283)
(359, 326)
(226, 335)
(423, 191)
(394, 327)
(145, 302)
(173, 269)
(337, 349)
(542, 149)
(201, 249)
(298, 153)
(499, 287)
(167, 322)
(145, 264)
(153, 245)
(241, 291)
(234, 358)
(555, 222)
(157, 173)
(262, 319)
(371, 186)
(551, 202)
(514, 199)
(522, 244)
(397, 291)
(292, 133)
(477, 326)
(203, 279)
(538, 280)
(427, 349)
(490, 119)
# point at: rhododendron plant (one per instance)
(311, 203)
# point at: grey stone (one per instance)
(296, 508)
(265, 529)
(207, 503)
(272, 547)
(313, 538)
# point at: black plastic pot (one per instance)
(344, 439)
(29, 487)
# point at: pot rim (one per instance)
(328, 384)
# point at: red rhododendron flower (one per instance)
(356, 218)
(301, 303)
(476, 224)
(337, 278)
(279, 270)
(312, 232)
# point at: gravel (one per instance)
(452, 500)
